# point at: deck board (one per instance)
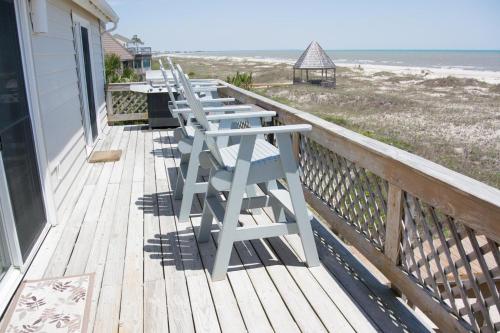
(153, 276)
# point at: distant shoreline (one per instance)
(492, 77)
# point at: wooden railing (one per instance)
(124, 105)
(432, 232)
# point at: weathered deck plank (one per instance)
(153, 276)
(203, 309)
(228, 311)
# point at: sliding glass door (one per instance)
(20, 185)
(5, 261)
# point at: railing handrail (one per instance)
(140, 49)
(474, 203)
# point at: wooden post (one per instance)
(296, 145)
(307, 75)
(393, 225)
(109, 102)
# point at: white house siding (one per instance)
(57, 79)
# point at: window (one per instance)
(146, 63)
(137, 63)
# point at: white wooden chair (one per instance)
(179, 108)
(253, 161)
(191, 146)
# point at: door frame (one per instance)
(79, 21)
(19, 267)
(31, 86)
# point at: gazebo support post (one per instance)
(307, 75)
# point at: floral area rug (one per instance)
(51, 305)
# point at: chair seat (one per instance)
(189, 131)
(263, 152)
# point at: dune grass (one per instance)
(452, 121)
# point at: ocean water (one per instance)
(472, 60)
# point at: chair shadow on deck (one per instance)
(179, 248)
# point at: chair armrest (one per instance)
(242, 115)
(207, 101)
(203, 83)
(226, 108)
(205, 88)
(261, 130)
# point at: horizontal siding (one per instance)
(57, 79)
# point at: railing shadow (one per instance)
(163, 152)
(373, 296)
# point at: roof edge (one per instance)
(100, 8)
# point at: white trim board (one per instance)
(24, 33)
(79, 21)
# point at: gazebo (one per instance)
(313, 61)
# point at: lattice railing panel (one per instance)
(454, 263)
(354, 193)
(125, 102)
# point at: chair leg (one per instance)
(276, 207)
(298, 201)
(179, 186)
(233, 207)
(207, 216)
(206, 225)
(252, 192)
(191, 177)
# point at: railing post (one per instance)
(393, 224)
(109, 102)
(296, 145)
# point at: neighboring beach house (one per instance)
(112, 45)
(124, 41)
(53, 112)
(141, 54)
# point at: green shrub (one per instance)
(114, 72)
(242, 80)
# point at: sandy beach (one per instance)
(450, 116)
(492, 77)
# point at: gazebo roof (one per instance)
(314, 57)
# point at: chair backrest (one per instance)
(174, 72)
(169, 88)
(199, 113)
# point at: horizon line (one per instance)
(328, 49)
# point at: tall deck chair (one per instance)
(234, 168)
(190, 148)
(178, 107)
(200, 83)
(184, 115)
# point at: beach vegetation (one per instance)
(495, 88)
(455, 126)
(242, 80)
(115, 72)
(451, 81)
(383, 73)
(403, 78)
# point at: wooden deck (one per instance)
(153, 276)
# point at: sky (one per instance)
(188, 25)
